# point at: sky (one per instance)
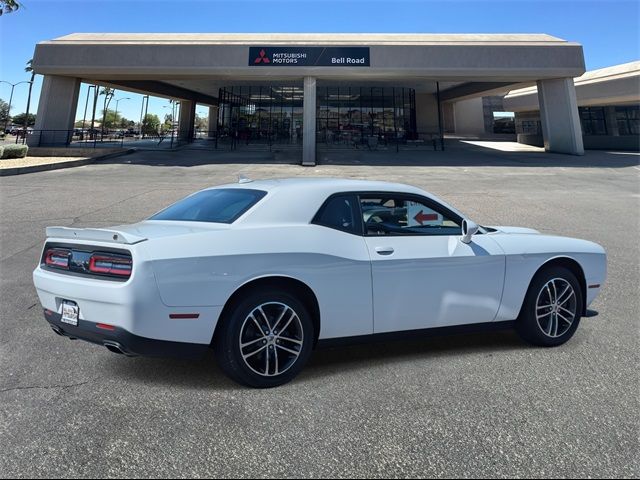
(608, 29)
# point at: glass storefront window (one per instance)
(529, 127)
(349, 115)
(628, 119)
(345, 114)
(592, 120)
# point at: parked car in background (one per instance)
(21, 133)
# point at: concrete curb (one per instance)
(57, 166)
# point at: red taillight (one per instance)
(110, 265)
(57, 258)
(104, 326)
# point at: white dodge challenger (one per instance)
(262, 271)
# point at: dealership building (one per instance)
(608, 107)
(310, 89)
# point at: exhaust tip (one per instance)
(114, 348)
(57, 330)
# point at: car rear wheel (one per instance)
(265, 340)
(552, 308)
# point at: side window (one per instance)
(340, 213)
(399, 215)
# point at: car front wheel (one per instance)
(265, 340)
(552, 308)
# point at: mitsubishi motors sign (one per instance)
(309, 56)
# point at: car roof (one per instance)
(327, 185)
(297, 200)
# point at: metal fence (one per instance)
(97, 139)
(230, 141)
(387, 141)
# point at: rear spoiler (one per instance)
(95, 234)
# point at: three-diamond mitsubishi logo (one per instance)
(262, 58)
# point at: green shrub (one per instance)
(1, 150)
(14, 151)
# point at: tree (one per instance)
(168, 122)
(108, 95)
(110, 119)
(29, 69)
(21, 119)
(202, 123)
(150, 124)
(4, 112)
(8, 6)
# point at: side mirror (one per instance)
(469, 229)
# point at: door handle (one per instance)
(384, 250)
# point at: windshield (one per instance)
(220, 205)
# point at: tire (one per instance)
(282, 354)
(543, 321)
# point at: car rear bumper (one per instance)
(133, 306)
(119, 340)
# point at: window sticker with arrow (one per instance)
(419, 215)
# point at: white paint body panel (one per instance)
(192, 267)
(526, 253)
(435, 281)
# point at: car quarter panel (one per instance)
(526, 253)
(205, 269)
(134, 305)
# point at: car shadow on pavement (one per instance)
(328, 361)
(457, 154)
(202, 373)
(325, 362)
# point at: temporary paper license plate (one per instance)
(70, 312)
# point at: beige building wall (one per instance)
(469, 117)
(426, 113)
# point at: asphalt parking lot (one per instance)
(463, 406)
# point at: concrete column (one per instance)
(469, 117)
(449, 117)
(56, 111)
(187, 120)
(559, 116)
(426, 113)
(213, 121)
(309, 122)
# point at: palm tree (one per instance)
(29, 69)
(8, 6)
(108, 95)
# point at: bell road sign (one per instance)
(309, 56)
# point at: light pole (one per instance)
(143, 114)
(124, 98)
(173, 120)
(86, 104)
(13, 85)
(201, 115)
(116, 118)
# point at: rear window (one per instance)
(222, 205)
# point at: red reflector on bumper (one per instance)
(184, 316)
(104, 326)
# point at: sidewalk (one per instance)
(30, 164)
